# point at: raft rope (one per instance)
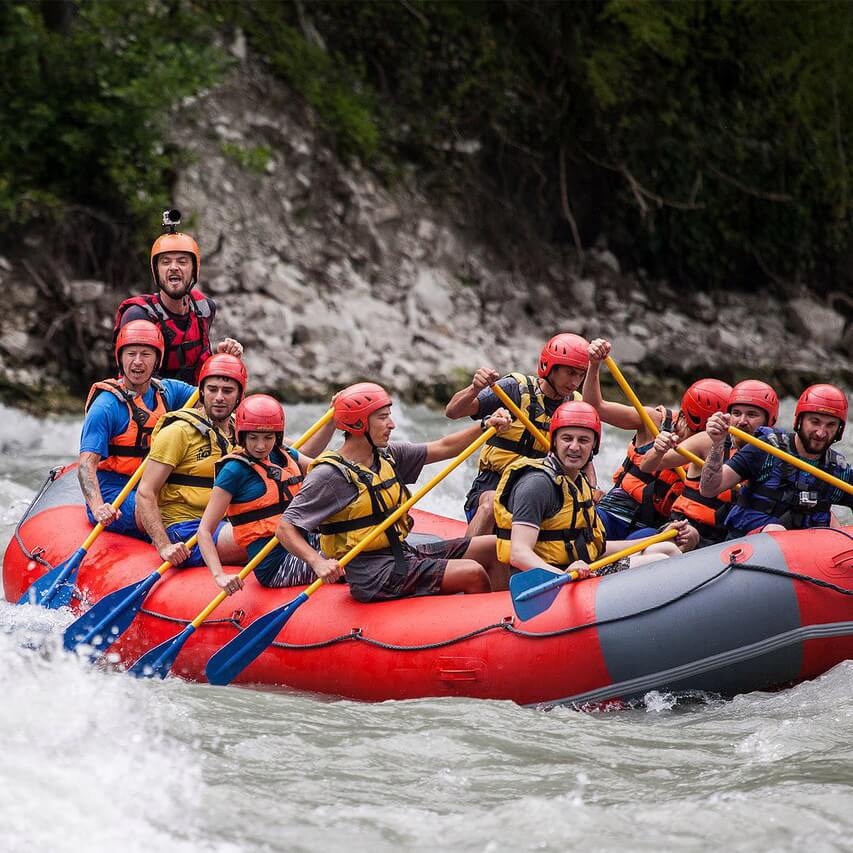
(36, 553)
(506, 624)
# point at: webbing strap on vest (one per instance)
(526, 444)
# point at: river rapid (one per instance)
(98, 761)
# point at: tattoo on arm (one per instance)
(712, 472)
(88, 479)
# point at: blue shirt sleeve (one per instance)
(488, 402)
(239, 481)
(177, 393)
(106, 417)
(747, 462)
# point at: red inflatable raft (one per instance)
(759, 613)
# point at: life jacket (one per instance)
(787, 501)
(186, 349)
(258, 518)
(654, 493)
(128, 449)
(707, 515)
(197, 473)
(517, 441)
(379, 494)
(574, 533)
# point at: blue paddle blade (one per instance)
(236, 655)
(534, 591)
(55, 589)
(103, 623)
(157, 662)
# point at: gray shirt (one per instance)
(533, 498)
(326, 491)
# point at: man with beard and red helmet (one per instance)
(183, 313)
(641, 501)
(560, 372)
(752, 404)
(545, 511)
(350, 490)
(776, 495)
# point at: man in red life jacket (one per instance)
(183, 313)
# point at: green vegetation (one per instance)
(253, 158)
(706, 141)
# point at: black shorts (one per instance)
(425, 568)
(485, 481)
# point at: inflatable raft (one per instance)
(759, 613)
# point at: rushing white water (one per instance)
(97, 761)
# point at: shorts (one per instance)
(181, 531)
(485, 481)
(618, 528)
(125, 524)
(290, 571)
(425, 568)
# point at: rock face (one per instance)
(327, 277)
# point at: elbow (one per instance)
(705, 489)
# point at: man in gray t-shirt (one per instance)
(348, 491)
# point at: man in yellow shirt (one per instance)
(178, 478)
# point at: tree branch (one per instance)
(567, 209)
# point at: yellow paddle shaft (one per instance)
(268, 547)
(650, 425)
(405, 507)
(793, 460)
(540, 437)
(130, 485)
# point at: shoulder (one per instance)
(133, 311)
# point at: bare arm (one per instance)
(716, 475)
(656, 460)
(214, 512)
(87, 475)
(464, 403)
(291, 538)
(521, 553)
(452, 445)
(148, 512)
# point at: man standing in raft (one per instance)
(183, 313)
(640, 500)
(778, 496)
(120, 417)
(544, 507)
(351, 490)
(178, 478)
(560, 372)
(752, 404)
(254, 485)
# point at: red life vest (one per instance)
(654, 493)
(706, 514)
(186, 349)
(258, 519)
(127, 450)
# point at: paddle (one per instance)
(236, 655)
(650, 425)
(55, 589)
(110, 617)
(534, 590)
(793, 460)
(518, 413)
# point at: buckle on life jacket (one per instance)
(807, 499)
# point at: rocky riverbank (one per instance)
(328, 276)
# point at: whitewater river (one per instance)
(101, 762)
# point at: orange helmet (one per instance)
(577, 414)
(227, 367)
(177, 242)
(355, 404)
(565, 348)
(823, 400)
(702, 399)
(752, 392)
(141, 333)
(259, 413)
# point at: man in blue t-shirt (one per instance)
(120, 416)
(776, 495)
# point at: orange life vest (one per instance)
(258, 519)
(654, 493)
(128, 449)
(706, 514)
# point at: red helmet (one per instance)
(702, 399)
(565, 348)
(752, 392)
(259, 413)
(141, 333)
(355, 404)
(226, 366)
(177, 242)
(577, 414)
(823, 400)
